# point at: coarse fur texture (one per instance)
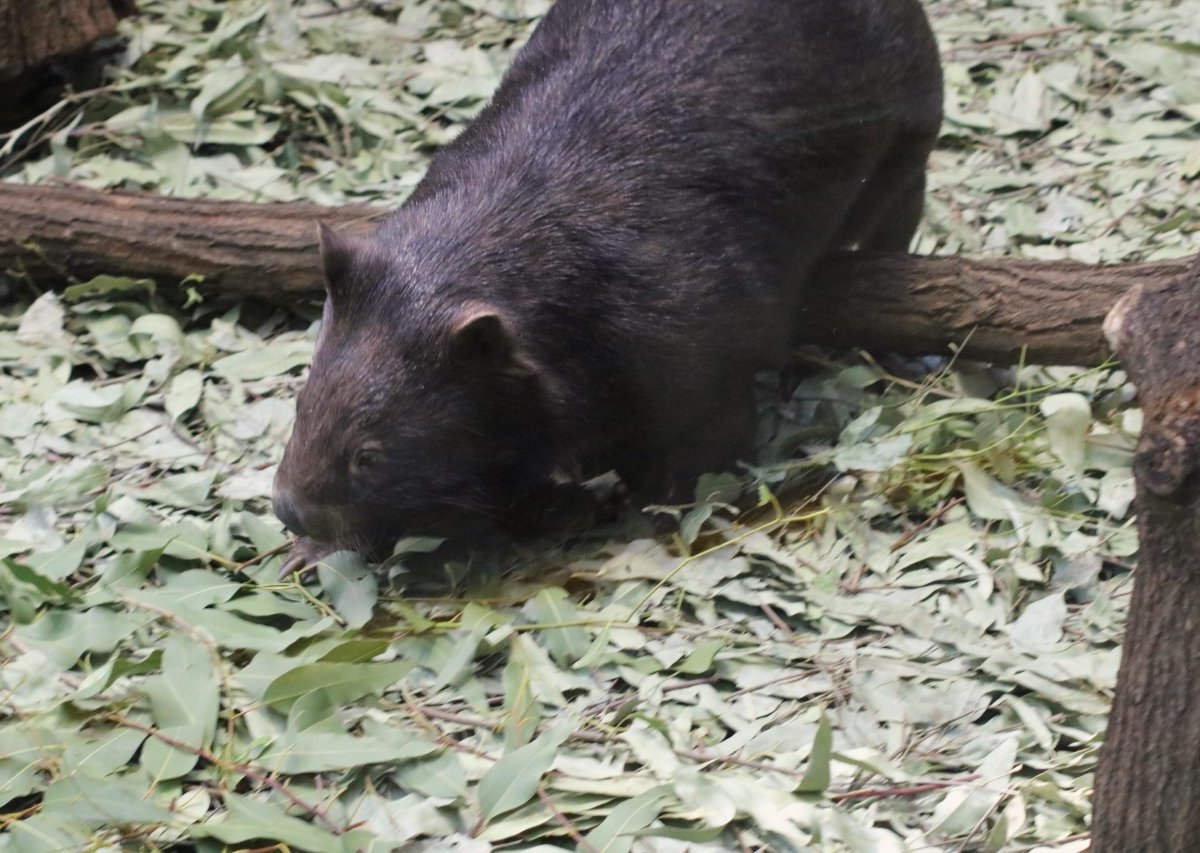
(590, 274)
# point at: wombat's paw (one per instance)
(557, 508)
(304, 556)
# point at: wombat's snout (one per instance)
(285, 511)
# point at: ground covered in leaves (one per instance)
(904, 636)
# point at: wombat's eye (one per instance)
(367, 459)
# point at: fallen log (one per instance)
(1147, 788)
(1001, 309)
(1051, 311)
(267, 251)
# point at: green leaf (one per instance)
(703, 798)
(185, 701)
(817, 774)
(513, 780)
(49, 832)
(62, 562)
(441, 777)
(341, 682)
(185, 491)
(105, 285)
(98, 757)
(693, 521)
(359, 650)
(186, 539)
(552, 607)
(103, 404)
(307, 752)
(461, 647)
(115, 667)
(597, 650)
(27, 588)
(616, 833)
(352, 587)
(266, 360)
(700, 660)
(187, 692)
(965, 807)
(98, 801)
(64, 636)
(183, 393)
(1039, 628)
(1068, 418)
(698, 835)
(265, 534)
(162, 759)
(249, 819)
(521, 708)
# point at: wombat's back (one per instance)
(736, 132)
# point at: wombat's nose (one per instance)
(286, 512)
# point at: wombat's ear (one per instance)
(338, 252)
(483, 336)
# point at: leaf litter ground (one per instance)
(905, 635)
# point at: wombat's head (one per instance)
(419, 416)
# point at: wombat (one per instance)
(591, 272)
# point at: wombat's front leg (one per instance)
(553, 507)
(712, 435)
(304, 556)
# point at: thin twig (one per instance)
(754, 688)
(901, 790)
(1008, 40)
(1082, 836)
(708, 758)
(337, 10)
(778, 622)
(910, 534)
(451, 717)
(132, 438)
(565, 822)
(259, 777)
(423, 717)
(595, 737)
(258, 558)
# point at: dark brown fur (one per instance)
(593, 270)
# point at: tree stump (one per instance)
(1147, 785)
(34, 34)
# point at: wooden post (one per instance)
(1148, 781)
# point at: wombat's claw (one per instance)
(304, 556)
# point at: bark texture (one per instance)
(1147, 785)
(254, 250)
(1053, 311)
(33, 33)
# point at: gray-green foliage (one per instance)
(271, 100)
(910, 644)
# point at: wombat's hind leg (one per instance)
(884, 216)
(898, 221)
